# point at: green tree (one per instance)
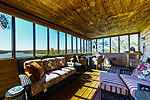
(114, 45)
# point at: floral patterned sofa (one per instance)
(47, 72)
(123, 86)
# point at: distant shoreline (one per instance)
(31, 51)
(3, 52)
(25, 52)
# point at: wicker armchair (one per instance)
(82, 61)
(97, 61)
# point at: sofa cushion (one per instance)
(59, 72)
(50, 79)
(70, 70)
(142, 71)
(112, 82)
(50, 76)
(61, 62)
(50, 64)
(132, 82)
(62, 74)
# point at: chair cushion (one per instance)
(49, 64)
(142, 71)
(61, 62)
(132, 82)
(112, 82)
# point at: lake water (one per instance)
(18, 54)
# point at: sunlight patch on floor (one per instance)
(90, 87)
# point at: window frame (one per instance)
(118, 42)
(78, 41)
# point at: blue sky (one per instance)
(24, 37)
(5, 38)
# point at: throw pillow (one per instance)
(29, 62)
(50, 64)
(61, 62)
(30, 76)
(36, 70)
(142, 71)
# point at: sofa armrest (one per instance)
(26, 83)
(143, 87)
(25, 80)
(125, 71)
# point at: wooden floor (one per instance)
(116, 69)
(84, 87)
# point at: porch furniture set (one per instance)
(45, 75)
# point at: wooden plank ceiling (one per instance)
(90, 18)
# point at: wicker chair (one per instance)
(97, 61)
(82, 61)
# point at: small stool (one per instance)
(15, 93)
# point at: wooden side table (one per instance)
(142, 95)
